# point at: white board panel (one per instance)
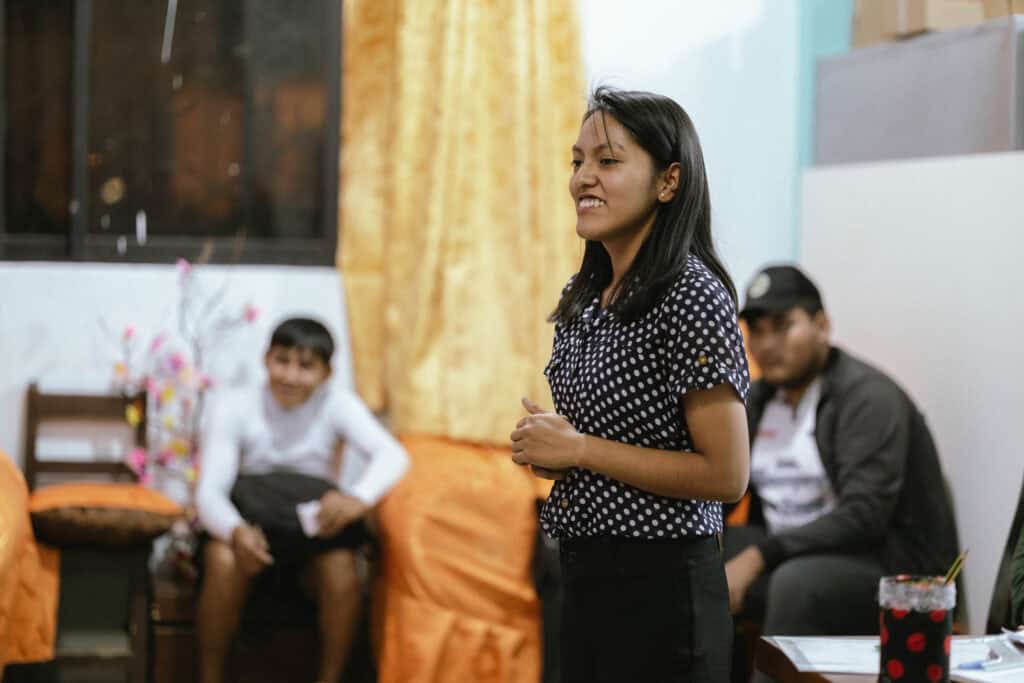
(920, 264)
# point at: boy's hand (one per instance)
(251, 549)
(337, 511)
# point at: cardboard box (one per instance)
(1001, 8)
(879, 21)
(869, 23)
(943, 94)
(909, 17)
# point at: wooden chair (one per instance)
(41, 407)
(103, 630)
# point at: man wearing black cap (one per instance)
(845, 481)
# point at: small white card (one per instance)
(307, 513)
(1014, 636)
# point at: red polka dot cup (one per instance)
(915, 628)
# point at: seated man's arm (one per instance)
(217, 474)
(871, 438)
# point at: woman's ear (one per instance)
(668, 183)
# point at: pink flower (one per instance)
(129, 332)
(152, 387)
(164, 457)
(157, 342)
(205, 381)
(252, 312)
(146, 478)
(184, 268)
(177, 361)
(137, 460)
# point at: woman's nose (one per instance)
(585, 177)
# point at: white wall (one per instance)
(50, 322)
(920, 266)
(734, 66)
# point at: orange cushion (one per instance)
(100, 514)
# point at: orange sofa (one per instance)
(455, 599)
(28, 577)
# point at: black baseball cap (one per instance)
(776, 289)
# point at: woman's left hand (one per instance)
(546, 440)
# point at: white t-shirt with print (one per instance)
(786, 468)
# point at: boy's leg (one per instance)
(221, 598)
(336, 580)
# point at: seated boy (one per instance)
(291, 424)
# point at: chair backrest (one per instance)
(999, 608)
(42, 406)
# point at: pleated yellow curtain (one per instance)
(456, 228)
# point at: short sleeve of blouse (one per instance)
(701, 335)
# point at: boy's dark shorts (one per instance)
(268, 501)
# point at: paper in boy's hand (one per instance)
(307, 513)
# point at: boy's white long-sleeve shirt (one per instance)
(250, 433)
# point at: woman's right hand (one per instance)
(538, 471)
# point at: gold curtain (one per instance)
(456, 228)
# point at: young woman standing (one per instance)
(649, 377)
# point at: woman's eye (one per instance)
(608, 161)
(576, 163)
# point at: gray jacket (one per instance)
(891, 497)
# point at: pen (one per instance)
(980, 665)
(977, 665)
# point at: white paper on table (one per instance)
(861, 655)
(831, 655)
(1003, 676)
(1012, 668)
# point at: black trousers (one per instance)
(644, 611)
(811, 595)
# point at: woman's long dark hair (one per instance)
(681, 227)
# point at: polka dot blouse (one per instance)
(625, 381)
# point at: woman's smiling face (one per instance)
(613, 183)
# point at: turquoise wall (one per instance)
(825, 30)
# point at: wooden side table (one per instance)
(103, 620)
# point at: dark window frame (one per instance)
(80, 245)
